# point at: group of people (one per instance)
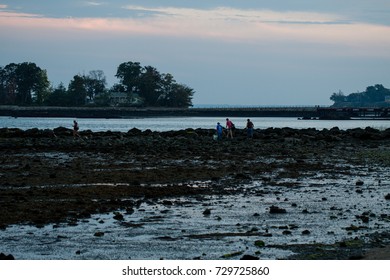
(230, 127)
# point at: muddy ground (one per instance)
(50, 177)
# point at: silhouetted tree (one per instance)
(23, 84)
(154, 88)
(129, 74)
(59, 96)
(77, 91)
(95, 83)
(372, 96)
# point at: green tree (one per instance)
(338, 97)
(372, 96)
(23, 84)
(77, 91)
(154, 88)
(32, 84)
(95, 84)
(181, 96)
(150, 85)
(129, 74)
(59, 96)
(3, 92)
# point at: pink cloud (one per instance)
(237, 26)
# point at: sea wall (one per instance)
(130, 112)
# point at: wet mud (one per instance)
(285, 194)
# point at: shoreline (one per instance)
(300, 112)
(134, 112)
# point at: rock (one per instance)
(306, 232)
(359, 183)
(207, 212)
(6, 257)
(276, 210)
(118, 216)
(99, 234)
(387, 196)
(167, 203)
(259, 243)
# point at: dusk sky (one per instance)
(255, 52)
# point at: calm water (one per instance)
(177, 123)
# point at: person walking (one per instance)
(219, 131)
(75, 129)
(249, 128)
(229, 128)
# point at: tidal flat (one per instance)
(284, 194)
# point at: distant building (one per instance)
(387, 99)
(124, 99)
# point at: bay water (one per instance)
(178, 123)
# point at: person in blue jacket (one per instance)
(219, 131)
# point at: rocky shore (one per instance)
(50, 177)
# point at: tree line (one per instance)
(376, 96)
(26, 84)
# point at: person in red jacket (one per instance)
(229, 128)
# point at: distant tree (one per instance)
(103, 99)
(32, 82)
(77, 91)
(118, 88)
(150, 85)
(338, 97)
(154, 88)
(372, 96)
(129, 74)
(9, 83)
(3, 86)
(181, 96)
(376, 93)
(95, 84)
(59, 96)
(174, 94)
(23, 84)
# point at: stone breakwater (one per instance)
(50, 177)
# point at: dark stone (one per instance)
(276, 210)
(118, 217)
(359, 183)
(6, 257)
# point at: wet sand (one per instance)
(50, 178)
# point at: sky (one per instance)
(235, 52)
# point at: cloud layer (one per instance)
(283, 40)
